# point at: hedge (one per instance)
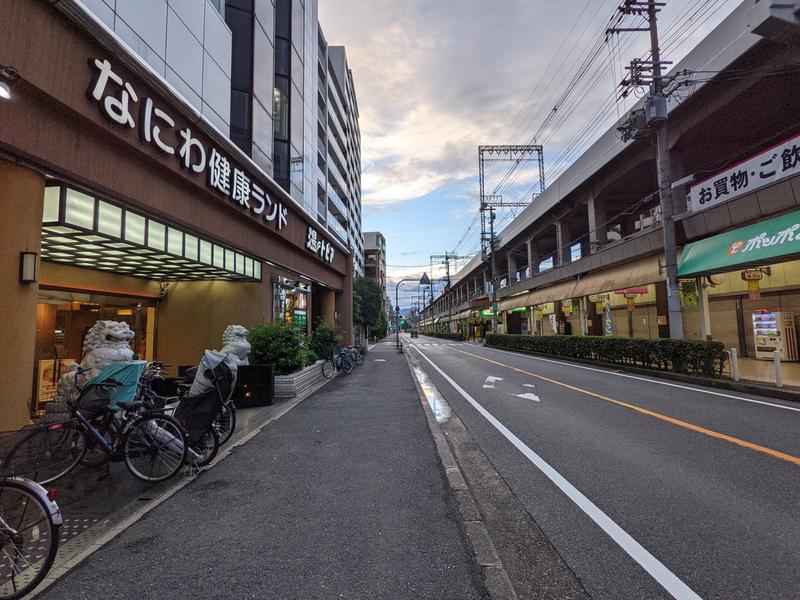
(679, 356)
(447, 336)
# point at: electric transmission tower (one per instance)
(520, 155)
(445, 259)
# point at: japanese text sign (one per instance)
(775, 164)
(117, 99)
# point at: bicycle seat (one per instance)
(130, 405)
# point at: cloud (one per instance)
(436, 78)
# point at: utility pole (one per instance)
(656, 119)
(446, 258)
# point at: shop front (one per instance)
(121, 204)
(749, 284)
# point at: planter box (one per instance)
(290, 386)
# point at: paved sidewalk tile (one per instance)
(342, 497)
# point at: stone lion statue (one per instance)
(106, 342)
(235, 344)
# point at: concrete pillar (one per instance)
(705, 312)
(22, 193)
(512, 268)
(598, 233)
(562, 240)
(533, 256)
(344, 304)
(678, 171)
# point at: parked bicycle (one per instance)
(108, 419)
(29, 526)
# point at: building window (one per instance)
(281, 108)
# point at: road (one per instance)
(646, 488)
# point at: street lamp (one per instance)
(424, 280)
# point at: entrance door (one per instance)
(63, 319)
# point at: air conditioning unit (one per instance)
(655, 109)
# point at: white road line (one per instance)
(663, 576)
(647, 379)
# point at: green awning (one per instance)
(760, 243)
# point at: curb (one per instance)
(65, 567)
(745, 387)
(495, 579)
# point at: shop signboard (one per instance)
(760, 243)
(772, 165)
(608, 322)
(318, 245)
(635, 291)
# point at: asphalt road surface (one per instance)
(646, 488)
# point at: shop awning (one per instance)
(462, 315)
(85, 231)
(628, 275)
(757, 244)
(560, 291)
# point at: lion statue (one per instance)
(105, 343)
(234, 343)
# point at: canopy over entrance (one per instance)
(84, 231)
(761, 243)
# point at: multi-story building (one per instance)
(339, 190)
(166, 162)
(263, 74)
(375, 261)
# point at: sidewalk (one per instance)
(344, 496)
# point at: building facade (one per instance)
(586, 257)
(375, 262)
(123, 200)
(261, 72)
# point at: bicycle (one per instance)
(29, 531)
(152, 445)
(342, 362)
(204, 449)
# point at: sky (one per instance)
(436, 78)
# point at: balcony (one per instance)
(337, 203)
(335, 227)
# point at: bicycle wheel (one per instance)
(328, 368)
(226, 422)
(207, 448)
(155, 448)
(359, 356)
(347, 364)
(28, 538)
(48, 452)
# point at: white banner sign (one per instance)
(775, 164)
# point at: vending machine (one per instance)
(774, 331)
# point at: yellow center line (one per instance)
(709, 432)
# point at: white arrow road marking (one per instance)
(528, 385)
(528, 396)
(489, 383)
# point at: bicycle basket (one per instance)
(38, 450)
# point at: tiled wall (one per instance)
(185, 41)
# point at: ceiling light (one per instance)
(8, 77)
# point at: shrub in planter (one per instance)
(277, 344)
(680, 356)
(446, 335)
(324, 339)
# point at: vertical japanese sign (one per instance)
(775, 164)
